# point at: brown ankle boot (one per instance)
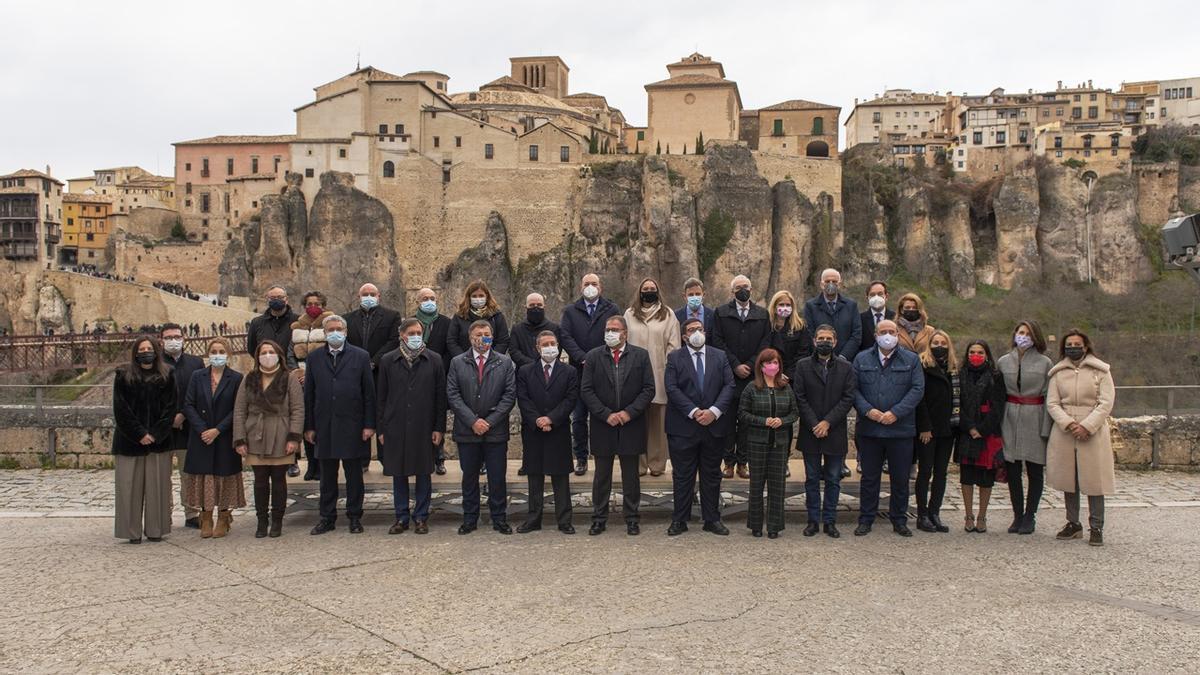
(206, 524)
(224, 522)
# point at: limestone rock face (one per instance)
(957, 248)
(1062, 225)
(1120, 260)
(734, 212)
(915, 237)
(1017, 216)
(53, 314)
(794, 224)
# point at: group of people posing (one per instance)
(732, 385)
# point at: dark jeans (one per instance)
(579, 430)
(631, 488)
(1023, 504)
(827, 468)
(932, 460)
(400, 496)
(735, 442)
(698, 455)
(270, 489)
(871, 453)
(329, 488)
(473, 456)
(537, 498)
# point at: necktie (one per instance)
(616, 358)
(742, 312)
(333, 356)
(482, 360)
(591, 309)
(700, 370)
(878, 318)
(547, 373)
(886, 360)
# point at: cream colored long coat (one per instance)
(1082, 394)
(659, 337)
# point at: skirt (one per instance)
(970, 474)
(205, 492)
(259, 460)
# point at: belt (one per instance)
(1027, 400)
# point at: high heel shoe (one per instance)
(981, 524)
(969, 523)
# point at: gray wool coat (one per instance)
(1025, 428)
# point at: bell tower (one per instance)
(544, 74)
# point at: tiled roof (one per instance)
(30, 173)
(238, 140)
(800, 104)
(506, 81)
(84, 197)
(19, 189)
(692, 80)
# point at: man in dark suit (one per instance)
(374, 328)
(741, 329)
(831, 308)
(339, 416)
(523, 337)
(274, 324)
(618, 386)
(700, 388)
(183, 365)
(582, 330)
(482, 389)
(546, 392)
(694, 307)
(877, 310)
(825, 385)
(436, 328)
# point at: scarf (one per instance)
(426, 322)
(912, 327)
(955, 398)
(647, 313)
(269, 400)
(410, 355)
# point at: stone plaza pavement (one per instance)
(75, 599)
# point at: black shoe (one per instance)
(293, 471)
(483, 470)
(756, 533)
(356, 526)
(902, 530)
(846, 471)
(467, 528)
(527, 527)
(155, 540)
(421, 527)
(596, 529)
(261, 532)
(312, 473)
(924, 524)
(677, 528)
(521, 471)
(566, 529)
(811, 529)
(366, 465)
(772, 534)
(398, 527)
(1016, 524)
(323, 527)
(633, 529)
(193, 523)
(503, 528)
(1028, 524)
(440, 468)
(788, 473)
(832, 531)
(862, 529)
(885, 469)
(716, 527)
(938, 524)
(136, 541)
(1070, 531)
(580, 467)
(1095, 538)
(276, 525)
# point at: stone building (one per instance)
(207, 173)
(898, 114)
(131, 187)
(86, 227)
(31, 211)
(795, 127)
(695, 100)
(1180, 101)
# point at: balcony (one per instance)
(53, 234)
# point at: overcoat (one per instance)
(1083, 394)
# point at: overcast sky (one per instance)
(86, 86)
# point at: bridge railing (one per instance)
(48, 353)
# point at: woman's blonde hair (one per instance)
(926, 354)
(224, 342)
(795, 322)
(920, 305)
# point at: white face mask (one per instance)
(549, 354)
(173, 346)
(696, 339)
(268, 361)
(612, 338)
(478, 303)
(886, 341)
(876, 302)
(591, 292)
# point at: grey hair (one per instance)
(331, 318)
(618, 317)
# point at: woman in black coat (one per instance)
(979, 443)
(477, 303)
(411, 395)
(789, 334)
(144, 407)
(213, 467)
(937, 422)
(546, 406)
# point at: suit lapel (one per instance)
(208, 391)
(225, 377)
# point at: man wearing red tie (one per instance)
(547, 390)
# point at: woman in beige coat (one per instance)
(1079, 458)
(915, 331)
(653, 327)
(268, 418)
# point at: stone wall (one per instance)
(191, 263)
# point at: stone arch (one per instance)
(389, 169)
(817, 149)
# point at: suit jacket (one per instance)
(582, 333)
(684, 393)
(458, 339)
(522, 342)
(412, 405)
(609, 387)
(868, 327)
(267, 326)
(547, 452)
(206, 409)
(682, 314)
(824, 395)
(490, 400)
(183, 369)
(844, 319)
(741, 340)
(384, 336)
(439, 330)
(339, 402)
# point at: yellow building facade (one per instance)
(86, 227)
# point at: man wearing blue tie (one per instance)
(694, 307)
(700, 389)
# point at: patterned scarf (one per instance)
(911, 327)
(410, 355)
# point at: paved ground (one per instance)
(74, 599)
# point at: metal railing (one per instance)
(1177, 399)
(48, 353)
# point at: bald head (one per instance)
(885, 327)
(535, 300)
(426, 294)
(368, 289)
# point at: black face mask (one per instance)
(277, 304)
(742, 294)
(824, 348)
(535, 315)
(145, 358)
(911, 314)
(939, 353)
(1075, 353)
(649, 297)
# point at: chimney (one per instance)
(1089, 84)
(1060, 84)
(48, 170)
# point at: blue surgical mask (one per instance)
(486, 339)
(335, 339)
(414, 342)
(694, 301)
(218, 360)
(429, 306)
(369, 302)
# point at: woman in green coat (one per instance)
(768, 410)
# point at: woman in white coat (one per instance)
(653, 327)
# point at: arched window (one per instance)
(817, 149)
(818, 126)
(389, 170)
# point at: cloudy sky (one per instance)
(87, 85)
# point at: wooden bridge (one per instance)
(48, 353)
